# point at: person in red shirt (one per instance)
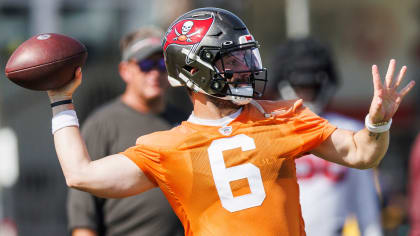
(229, 169)
(414, 188)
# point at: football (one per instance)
(45, 61)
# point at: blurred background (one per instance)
(360, 33)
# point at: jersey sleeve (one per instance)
(312, 129)
(147, 159)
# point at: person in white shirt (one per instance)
(329, 193)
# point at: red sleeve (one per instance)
(414, 188)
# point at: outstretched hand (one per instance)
(66, 92)
(386, 98)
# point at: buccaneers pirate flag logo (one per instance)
(188, 32)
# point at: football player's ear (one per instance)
(193, 71)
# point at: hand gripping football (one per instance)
(45, 61)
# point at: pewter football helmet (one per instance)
(208, 49)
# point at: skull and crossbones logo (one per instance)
(186, 28)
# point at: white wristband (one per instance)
(64, 119)
(377, 128)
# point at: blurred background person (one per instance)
(9, 173)
(330, 194)
(413, 205)
(115, 126)
(414, 188)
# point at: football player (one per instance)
(229, 169)
(329, 193)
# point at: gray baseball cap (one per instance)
(147, 43)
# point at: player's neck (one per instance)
(212, 109)
(155, 105)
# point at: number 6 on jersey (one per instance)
(223, 176)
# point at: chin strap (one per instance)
(240, 100)
(260, 108)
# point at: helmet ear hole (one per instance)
(190, 69)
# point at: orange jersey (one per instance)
(239, 179)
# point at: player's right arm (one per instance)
(113, 176)
(366, 148)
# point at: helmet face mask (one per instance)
(238, 71)
(221, 58)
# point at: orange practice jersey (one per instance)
(239, 179)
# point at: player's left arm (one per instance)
(365, 149)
